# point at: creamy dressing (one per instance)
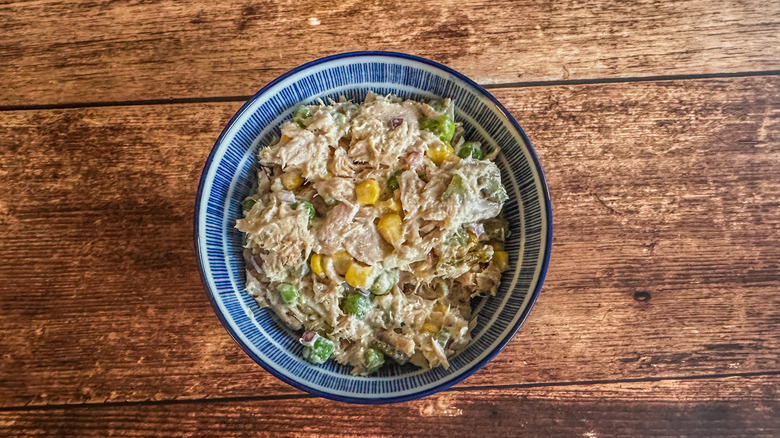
(373, 199)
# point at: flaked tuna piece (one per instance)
(411, 186)
(399, 342)
(383, 130)
(330, 234)
(279, 235)
(487, 281)
(415, 159)
(336, 189)
(304, 150)
(431, 206)
(364, 243)
(340, 164)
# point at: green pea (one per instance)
(472, 149)
(392, 180)
(456, 188)
(447, 128)
(307, 206)
(319, 352)
(248, 204)
(393, 353)
(288, 293)
(383, 283)
(374, 359)
(302, 116)
(442, 338)
(443, 126)
(491, 188)
(429, 125)
(460, 237)
(356, 304)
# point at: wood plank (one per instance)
(665, 261)
(56, 51)
(708, 408)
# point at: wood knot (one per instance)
(642, 296)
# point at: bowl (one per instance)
(228, 177)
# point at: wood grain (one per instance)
(665, 263)
(707, 408)
(56, 51)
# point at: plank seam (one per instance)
(526, 84)
(251, 398)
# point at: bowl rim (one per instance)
(447, 383)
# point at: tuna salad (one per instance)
(371, 229)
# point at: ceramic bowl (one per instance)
(228, 177)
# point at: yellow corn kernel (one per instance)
(291, 180)
(285, 138)
(501, 259)
(497, 246)
(473, 239)
(430, 327)
(392, 204)
(359, 276)
(316, 264)
(441, 307)
(367, 192)
(440, 152)
(341, 262)
(390, 227)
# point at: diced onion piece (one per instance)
(309, 338)
(286, 196)
(477, 228)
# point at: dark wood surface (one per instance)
(56, 51)
(737, 406)
(660, 314)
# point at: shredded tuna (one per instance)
(414, 160)
(361, 232)
(340, 164)
(336, 225)
(336, 189)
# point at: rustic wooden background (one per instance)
(657, 123)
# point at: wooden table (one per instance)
(657, 123)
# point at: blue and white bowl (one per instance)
(228, 177)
